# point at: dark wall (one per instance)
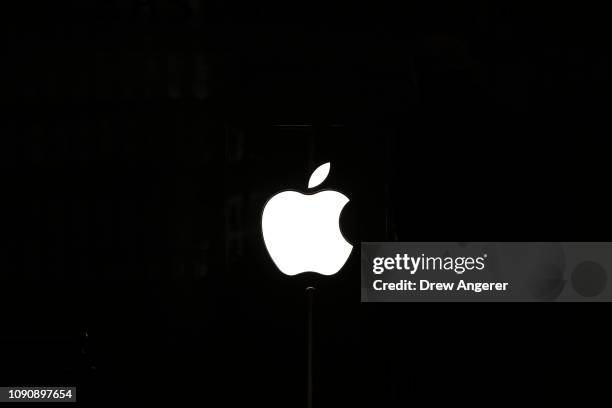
(142, 138)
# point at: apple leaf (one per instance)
(319, 175)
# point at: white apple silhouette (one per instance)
(302, 231)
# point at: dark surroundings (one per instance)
(141, 139)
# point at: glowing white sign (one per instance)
(302, 231)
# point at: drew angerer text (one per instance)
(425, 285)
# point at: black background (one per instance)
(141, 139)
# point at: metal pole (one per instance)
(310, 295)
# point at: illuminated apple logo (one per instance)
(302, 231)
